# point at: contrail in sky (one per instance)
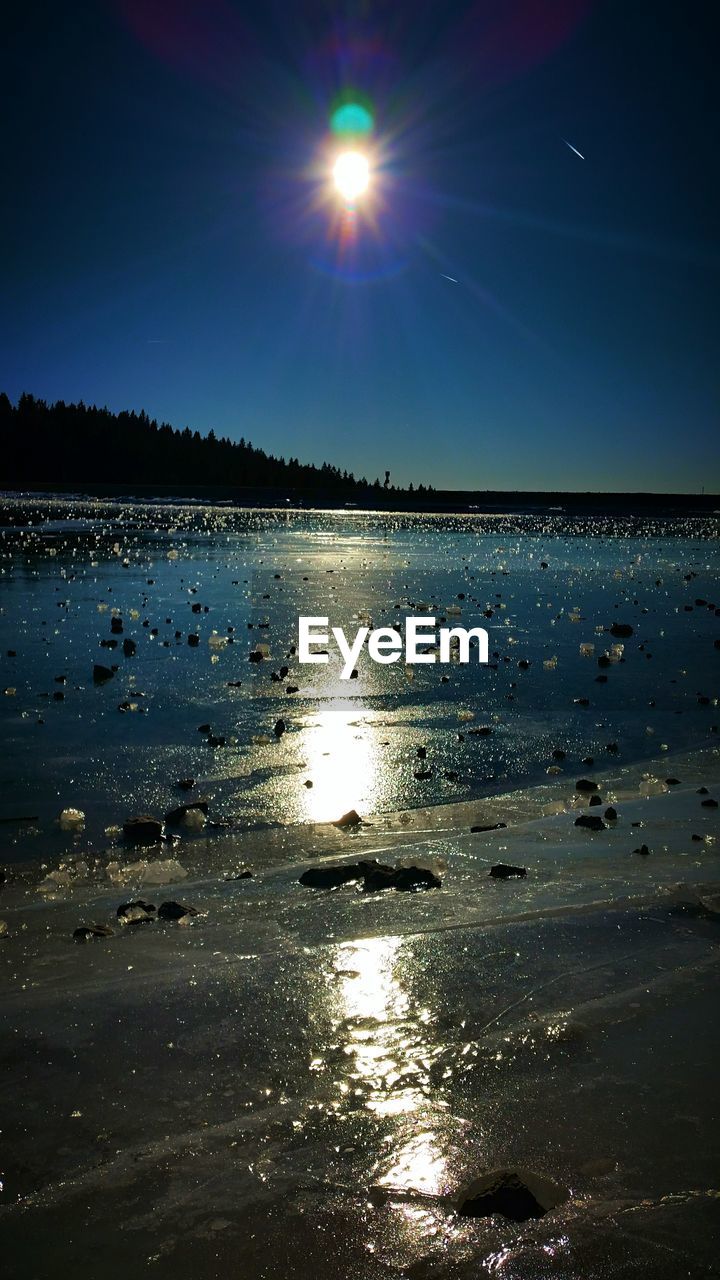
(450, 278)
(572, 148)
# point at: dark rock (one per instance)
(279, 728)
(174, 911)
(405, 879)
(193, 640)
(116, 626)
(212, 741)
(584, 784)
(558, 754)
(330, 877)
(519, 1196)
(186, 784)
(643, 850)
(375, 876)
(204, 728)
(86, 932)
(175, 816)
(590, 821)
(422, 774)
(138, 912)
(709, 804)
(292, 688)
(349, 819)
(307, 783)
(491, 826)
(603, 660)
(621, 630)
(595, 800)
(129, 648)
(610, 814)
(101, 673)
(503, 871)
(421, 753)
(143, 829)
(672, 782)
(702, 791)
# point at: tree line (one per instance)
(79, 444)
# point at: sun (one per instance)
(351, 175)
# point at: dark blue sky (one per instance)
(164, 246)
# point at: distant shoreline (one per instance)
(440, 501)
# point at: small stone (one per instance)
(517, 1195)
(330, 877)
(86, 932)
(138, 912)
(350, 819)
(143, 829)
(175, 911)
(503, 871)
(192, 815)
(591, 822)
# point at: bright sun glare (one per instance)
(351, 174)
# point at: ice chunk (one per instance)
(71, 819)
(162, 871)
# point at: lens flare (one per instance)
(351, 175)
(351, 120)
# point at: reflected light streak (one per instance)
(381, 1031)
(343, 766)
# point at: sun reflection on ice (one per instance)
(385, 1041)
(342, 766)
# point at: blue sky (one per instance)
(169, 242)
